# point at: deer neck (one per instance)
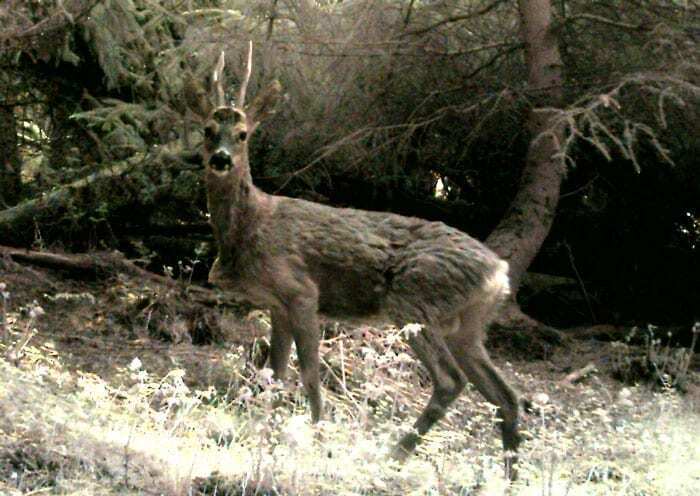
(236, 207)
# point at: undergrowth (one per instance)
(655, 361)
(154, 429)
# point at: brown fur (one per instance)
(299, 258)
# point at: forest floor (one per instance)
(94, 401)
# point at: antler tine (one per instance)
(218, 80)
(248, 70)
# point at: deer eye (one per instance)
(242, 136)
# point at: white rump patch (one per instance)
(493, 292)
(498, 283)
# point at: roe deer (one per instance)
(298, 258)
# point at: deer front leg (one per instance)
(303, 320)
(280, 344)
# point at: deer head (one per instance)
(233, 201)
(229, 127)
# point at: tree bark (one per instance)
(520, 234)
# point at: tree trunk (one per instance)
(11, 164)
(520, 234)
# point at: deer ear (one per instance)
(264, 104)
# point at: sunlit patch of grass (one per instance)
(157, 432)
(636, 442)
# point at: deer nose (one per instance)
(221, 160)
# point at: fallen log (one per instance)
(103, 265)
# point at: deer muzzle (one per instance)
(221, 160)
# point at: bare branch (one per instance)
(577, 375)
(212, 12)
(609, 22)
(512, 48)
(271, 22)
(409, 11)
(457, 18)
(393, 134)
(600, 119)
(476, 49)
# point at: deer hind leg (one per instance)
(448, 382)
(280, 344)
(468, 350)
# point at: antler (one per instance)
(248, 70)
(217, 78)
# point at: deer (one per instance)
(301, 259)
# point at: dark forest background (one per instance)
(416, 107)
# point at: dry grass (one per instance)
(90, 410)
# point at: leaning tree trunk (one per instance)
(525, 226)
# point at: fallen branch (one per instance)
(103, 265)
(577, 375)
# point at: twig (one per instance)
(582, 188)
(457, 18)
(4, 295)
(580, 282)
(577, 375)
(609, 22)
(271, 22)
(409, 11)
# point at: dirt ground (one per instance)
(100, 326)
